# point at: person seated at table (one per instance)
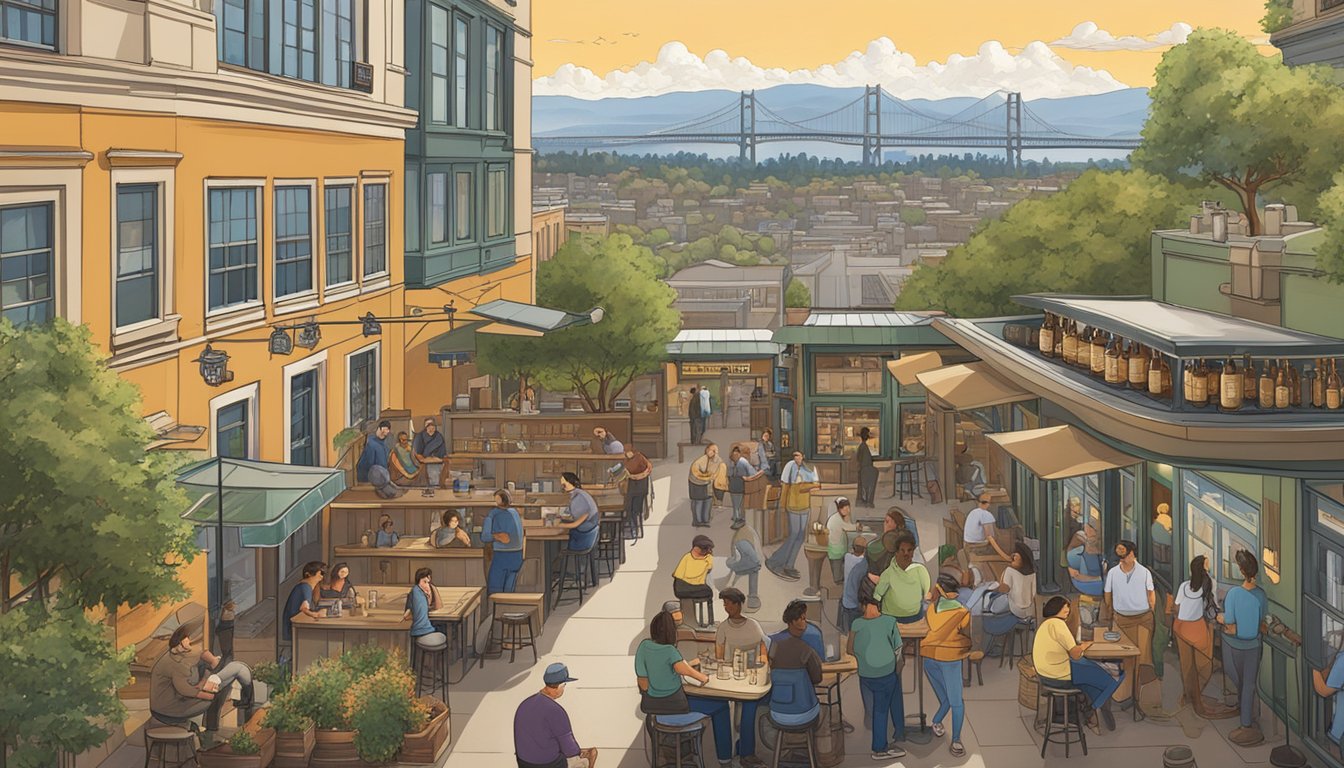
(943, 650)
(429, 450)
(542, 734)
(339, 586)
(1014, 600)
(1060, 663)
(401, 461)
(838, 528)
(689, 578)
(386, 536)
(979, 535)
(659, 669)
(503, 531)
(375, 453)
(795, 671)
(902, 587)
(740, 633)
(875, 643)
(451, 533)
(1084, 560)
(422, 599)
(856, 572)
(301, 599)
(173, 696)
(586, 521)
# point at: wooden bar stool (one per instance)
(158, 740)
(1071, 732)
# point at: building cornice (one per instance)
(43, 157)
(142, 158)
(227, 94)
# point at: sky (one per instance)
(914, 48)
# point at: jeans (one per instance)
(787, 554)
(737, 507)
(753, 578)
(746, 730)
(1089, 677)
(912, 619)
(845, 619)
(838, 570)
(887, 703)
(721, 718)
(945, 680)
(503, 575)
(234, 671)
(636, 494)
(700, 511)
(1243, 669)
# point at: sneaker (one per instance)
(753, 604)
(738, 524)
(957, 749)
(1246, 737)
(939, 730)
(879, 757)
(895, 753)
(793, 573)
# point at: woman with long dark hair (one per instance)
(659, 668)
(338, 586)
(1193, 605)
(1018, 586)
(867, 472)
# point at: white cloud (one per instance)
(1036, 71)
(1087, 36)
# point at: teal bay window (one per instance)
(464, 226)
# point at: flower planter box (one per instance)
(294, 750)
(423, 748)
(335, 749)
(221, 756)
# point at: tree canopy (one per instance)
(88, 520)
(1233, 117)
(1092, 237)
(595, 361)
(797, 295)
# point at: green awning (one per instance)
(266, 502)
(530, 316)
(863, 329)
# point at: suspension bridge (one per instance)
(875, 121)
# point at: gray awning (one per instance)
(725, 344)
(267, 502)
(1181, 331)
(542, 319)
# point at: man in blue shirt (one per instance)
(795, 670)
(503, 530)
(375, 452)
(1243, 619)
(583, 507)
(1328, 684)
(422, 599)
(301, 599)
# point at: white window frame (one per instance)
(251, 393)
(376, 280)
(316, 362)
(64, 189)
(304, 300)
(163, 178)
(350, 287)
(377, 349)
(250, 310)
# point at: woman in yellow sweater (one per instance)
(689, 580)
(943, 650)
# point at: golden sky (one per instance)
(795, 34)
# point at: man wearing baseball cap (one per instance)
(542, 735)
(689, 580)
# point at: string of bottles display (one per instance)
(1231, 385)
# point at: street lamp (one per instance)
(214, 366)
(309, 336)
(280, 343)
(371, 325)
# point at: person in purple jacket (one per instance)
(542, 735)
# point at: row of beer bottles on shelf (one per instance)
(1229, 385)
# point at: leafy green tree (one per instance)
(1222, 111)
(913, 217)
(88, 520)
(597, 362)
(797, 295)
(1092, 238)
(1330, 253)
(1278, 14)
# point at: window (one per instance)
(27, 253)
(849, 375)
(837, 430)
(438, 208)
(297, 46)
(410, 208)
(375, 229)
(311, 40)
(242, 32)
(1220, 523)
(363, 371)
(338, 42)
(293, 241)
(137, 253)
(340, 224)
(463, 205)
(233, 247)
(231, 430)
(438, 65)
(1322, 597)
(304, 438)
(494, 79)
(1327, 5)
(28, 21)
(497, 201)
(1129, 514)
(460, 86)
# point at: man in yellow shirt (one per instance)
(1060, 664)
(692, 573)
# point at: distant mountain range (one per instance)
(1119, 113)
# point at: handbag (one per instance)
(676, 704)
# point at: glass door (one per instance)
(303, 419)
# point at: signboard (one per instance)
(714, 369)
(361, 77)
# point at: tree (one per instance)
(88, 520)
(797, 295)
(1092, 238)
(913, 217)
(597, 362)
(1330, 253)
(1233, 117)
(1278, 14)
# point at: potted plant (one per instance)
(295, 733)
(248, 748)
(383, 709)
(422, 746)
(319, 694)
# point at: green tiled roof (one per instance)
(863, 329)
(726, 344)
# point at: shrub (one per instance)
(364, 660)
(273, 675)
(319, 694)
(383, 709)
(284, 716)
(242, 743)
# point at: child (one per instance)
(386, 536)
(856, 571)
(689, 579)
(875, 643)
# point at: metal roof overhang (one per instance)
(267, 502)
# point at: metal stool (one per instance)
(163, 737)
(1073, 720)
(1013, 644)
(677, 732)
(575, 569)
(707, 614)
(610, 547)
(430, 660)
(516, 632)
(973, 660)
(808, 733)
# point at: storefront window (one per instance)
(1218, 518)
(837, 430)
(1129, 516)
(912, 428)
(849, 375)
(1323, 603)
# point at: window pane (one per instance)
(497, 201)
(464, 212)
(375, 229)
(26, 258)
(461, 56)
(438, 65)
(339, 235)
(137, 293)
(232, 431)
(293, 241)
(848, 375)
(493, 68)
(28, 21)
(233, 246)
(438, 207)
(363, 387)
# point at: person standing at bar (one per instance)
(637, 470)
(739, 472)
(700, 479)
(867, 472)
(1243, 620)
(766, 454)
(799, 481)
(583, 529)
(696, 418)
(1130, 600)
(503, 531)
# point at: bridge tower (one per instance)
(746, 110)
(1013, 131)
(872, 125)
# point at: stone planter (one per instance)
(335, 749)
(294, 750)
(423, 747)
(221, 756)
